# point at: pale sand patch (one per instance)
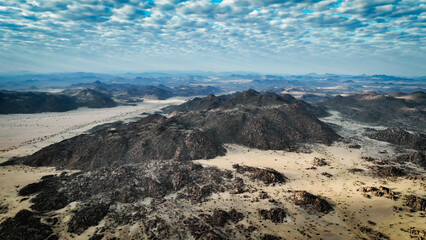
(12, 179)
(24, 134)
(351, 208)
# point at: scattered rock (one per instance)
(267, 175)
(319, 162)
(270, 237)
(417, 234)
(221, 217)
(326, 174)
(372, 234)
(276, 215)
(415, 202)
(311, 202)
(388, 171)
(380, 192)
(418, 158)
(355, 170)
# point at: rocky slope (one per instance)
(399, 136)
(189, 135)
(36, 102)
(402, 110)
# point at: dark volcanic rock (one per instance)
(280, 127)
(401, 137)
(372, 234)
(415, 202)
(221, 217)
(87, 216)
(312, 203)
(276, 215)
(384, 110)
(417, 234)
(94, 99)
(418, 158)
(270, 237)
(35, 102)
(25, 225)
(202, 231)
(153, 137)
(380, 192)
(388, 171)
(267, 175)
(319, 162)
(128, 184)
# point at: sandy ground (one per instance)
(23, 134)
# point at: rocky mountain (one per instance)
(402, 110)
(93, 99)
(35, 102)
(191, 135)
(399, 136)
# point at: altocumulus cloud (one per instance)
(357, 36)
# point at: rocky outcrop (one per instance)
(384, 110)
(93, 99)
(415, 202)
(379, 192)
(276, 215)
(319, 162)
(221, 217)
(25, 225)
(372, 234)
(311, 202)
(418, 158)
(87, 216)
(388, 171)
(399, 136)
(268, 175)
(153, 137)
(35, 102)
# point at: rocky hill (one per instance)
(35, 102)
(192, 134)
(402, 110)
(399, 136)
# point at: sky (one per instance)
(267, 36)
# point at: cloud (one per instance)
(212, 30)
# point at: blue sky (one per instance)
(270, 36)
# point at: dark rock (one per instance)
(372, 234)
(25, 225)
(401, 137)
(201, 231)
(319, 162)
(380, 192)
(388, 171)
(270, 237)
(326, 174)
(417, 234)
(415, 202)
(311, 202)
(87, 216)
(276, 215)
(153, 137)
(3, 209)
(380, 109)
(418, 158)
(355, 170)
(221, 217)
(267, 175)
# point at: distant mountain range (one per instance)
(92, 95)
